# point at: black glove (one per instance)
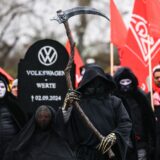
(107, 142)
(71, 97)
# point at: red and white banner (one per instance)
(78, 62)
(3, 72)
(135, 52)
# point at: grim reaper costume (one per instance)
(142, 143)
(105, 111)
(12, 118)
(41, 140)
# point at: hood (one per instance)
(93, 72)
(52, 110)
(6, 83)
(29, 129)
(123, 73)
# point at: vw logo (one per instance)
(47, 55)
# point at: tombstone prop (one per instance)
(41, 75)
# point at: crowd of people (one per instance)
(115, 106)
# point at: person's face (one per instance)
(157, 78)
(43, 119)
(125, 85)
(97, 83)
(125, 82)
(2, 89)
(15, 91)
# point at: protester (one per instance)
(41, 139)
(14, 88)
(156, 89)
(156, 103)
(12, 119)
(142, 145)
(105, 111)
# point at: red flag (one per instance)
(118, 28)
(78, 62)
(135, 52)
(3, 72)
(152, 9)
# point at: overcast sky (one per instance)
(97, 30)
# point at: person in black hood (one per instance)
(12, 118)
(106, 112)
(142, 140)
(41, 139)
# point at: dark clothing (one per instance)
(8, 127)
(143, 131)
(12, 119)
(141, 114)
(106, 113)
(157, 117)
(136, 116)
(32, 143)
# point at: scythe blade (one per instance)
(63, 16)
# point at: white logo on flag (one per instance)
(140, 32)
(47, 55)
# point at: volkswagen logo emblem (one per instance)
(47, 55)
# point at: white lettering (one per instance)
(46, 85)
(44, 73)
(46, 98)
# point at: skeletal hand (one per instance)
(71, 96)
(107, 142)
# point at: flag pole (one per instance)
(111, 58)
(150, 73)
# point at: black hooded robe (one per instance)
(35, 144)
(139, 109)
(107, 114)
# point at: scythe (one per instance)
(62, 17)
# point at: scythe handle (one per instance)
(70, 86)
(69, 82)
